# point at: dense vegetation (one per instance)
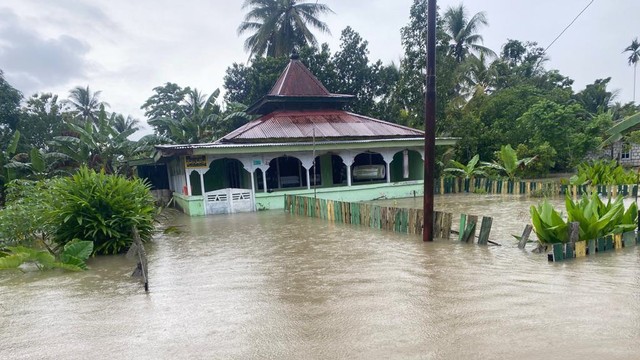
(65, 217)
(595, 217)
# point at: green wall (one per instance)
(275, 200)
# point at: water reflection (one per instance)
(269, 285)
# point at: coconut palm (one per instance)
(463, 32)
(279, 26)
(84, 103)
(478, 77)
(634, 57)
(122, 124)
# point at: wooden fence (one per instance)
(402, 220)
(459, 185)
(564, 251)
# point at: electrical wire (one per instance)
(568, 26)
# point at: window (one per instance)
(626, 152)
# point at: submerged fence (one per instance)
(390, 218)
(459, 185)
(577, 249)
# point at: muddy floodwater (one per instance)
(268, 285)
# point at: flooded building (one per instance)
(303, 142)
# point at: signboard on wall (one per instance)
(195, 161)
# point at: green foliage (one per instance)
(508, 163)
(545, 159)
(467, 171)
(72, 258)
(280, 26)
(23, 219)
(596, 219)
(102, 208)
(548, 224)
(603, 172)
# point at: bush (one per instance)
(595, 217)
(603, 172)
(22, 220)
(101, 208)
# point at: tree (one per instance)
(279, 26)
(478, 77)
(196, 123)
(246, 84)
(42, 118)
(595, 98)
(408, 95)
(9, 109)
(97, 145)
(121, 123)
(463, 32)
(634, 57)
(85, 104)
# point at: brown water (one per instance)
(269, 285)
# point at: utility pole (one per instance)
(430, 123)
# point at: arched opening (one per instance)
(339, 170)
(368, 167)
(196, 185)
(407, 165)
(286, 172)
(226, 173)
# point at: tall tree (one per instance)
(279, 26)
(408, 101)
(9, 109)
(634, 57)
(84, 103)
(41, 119)
(464, 32)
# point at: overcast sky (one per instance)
(127, 47)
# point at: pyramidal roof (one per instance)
(299, 108)
(297, 80)
(297, 88)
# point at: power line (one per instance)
(568, 26)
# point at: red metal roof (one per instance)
(297, 80)
(289, 125)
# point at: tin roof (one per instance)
(322, 124)
(298, 88)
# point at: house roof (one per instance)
(298, 88)
(322, 124)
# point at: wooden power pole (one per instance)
(430, 123)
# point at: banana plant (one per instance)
(467, 171)
(72, 257)
(508, 162)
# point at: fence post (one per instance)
(525, 236)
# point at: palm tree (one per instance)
(84, 103)
(634, 57)
(478, 77)
(463, 32)
(279, 26)
(122, 124)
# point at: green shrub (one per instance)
(595, 217)
(101, 208)
(603, 172)
(22, 220)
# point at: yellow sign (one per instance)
(196, 161)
